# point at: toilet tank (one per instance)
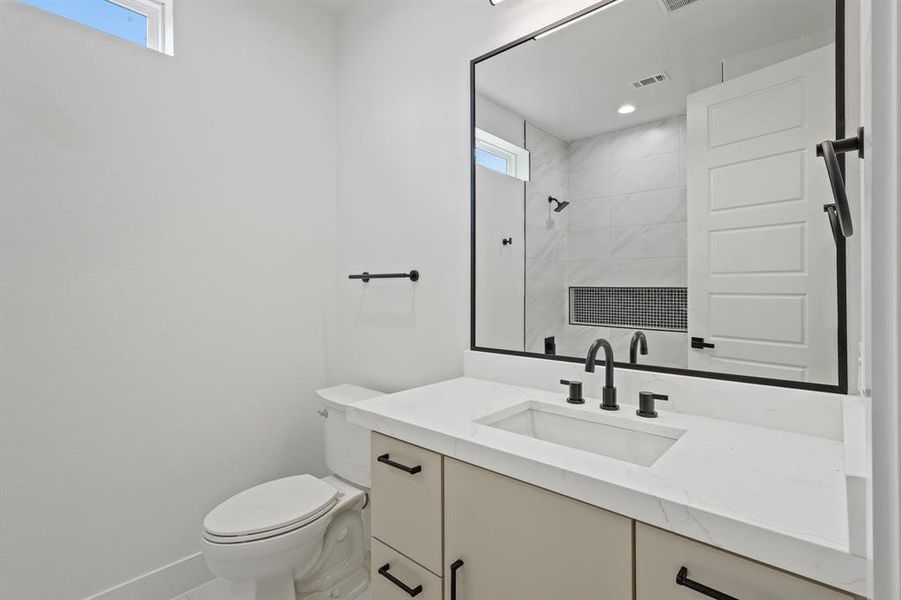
(346, 444)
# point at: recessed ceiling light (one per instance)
(626, 109)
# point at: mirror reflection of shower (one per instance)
(561, 204)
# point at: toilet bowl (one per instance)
(301, 537)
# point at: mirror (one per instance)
(646, 172)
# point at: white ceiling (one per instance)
(571, 82)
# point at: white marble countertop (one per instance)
(774, 496)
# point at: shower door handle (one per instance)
(829, 150)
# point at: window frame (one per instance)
(517, 158)
(159, 15)
(508, 157)
(160, 22)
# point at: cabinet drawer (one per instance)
(521, 542)
(659, 555)
(401, 577)
(406, 506)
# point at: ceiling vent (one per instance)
(650, 80)
(668, 6)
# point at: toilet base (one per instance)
(349, 588)
(277, 587)
(326, 559)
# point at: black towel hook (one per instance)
(829, 150)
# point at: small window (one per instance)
(500, 155)
(493, 161)
(147, 23)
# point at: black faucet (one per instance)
(639, 342)
(575, 391)
(646, 404)
(608, 399)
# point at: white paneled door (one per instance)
(761, 257)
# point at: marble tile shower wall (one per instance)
(626, 226)
(546, 233)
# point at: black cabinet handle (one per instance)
(383, 571)
(453, 569)
(682, 579)
(385, 458)
(699, 343)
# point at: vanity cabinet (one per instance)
(396, 577)
(522, 542)
(406, 500)
(447, 530)
(661, 555)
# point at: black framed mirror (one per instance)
(646, 172)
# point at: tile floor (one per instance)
(219, 589)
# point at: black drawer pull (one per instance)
(385, 458)
(453, 569)
(682, 579)
(383, 571)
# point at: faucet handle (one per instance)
(575, 391)
(646, 404)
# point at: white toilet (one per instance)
(300, 537)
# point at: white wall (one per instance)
(545, 230)
(499, 266)
(167, 279)
(500, 121)
(881, 39)
(403, 192)
(500, 284)
(627, 226)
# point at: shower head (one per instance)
(560, 204)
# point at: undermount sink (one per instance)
(607, 435)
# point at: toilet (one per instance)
(301, 537)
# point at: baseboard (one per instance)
(163, 583)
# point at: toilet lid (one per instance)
(269, 506)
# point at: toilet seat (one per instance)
(270, 509)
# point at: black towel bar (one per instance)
(365, 276)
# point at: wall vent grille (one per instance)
(650, 80)
(661, 308)
(668, 6)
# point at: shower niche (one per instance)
(650, 168)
